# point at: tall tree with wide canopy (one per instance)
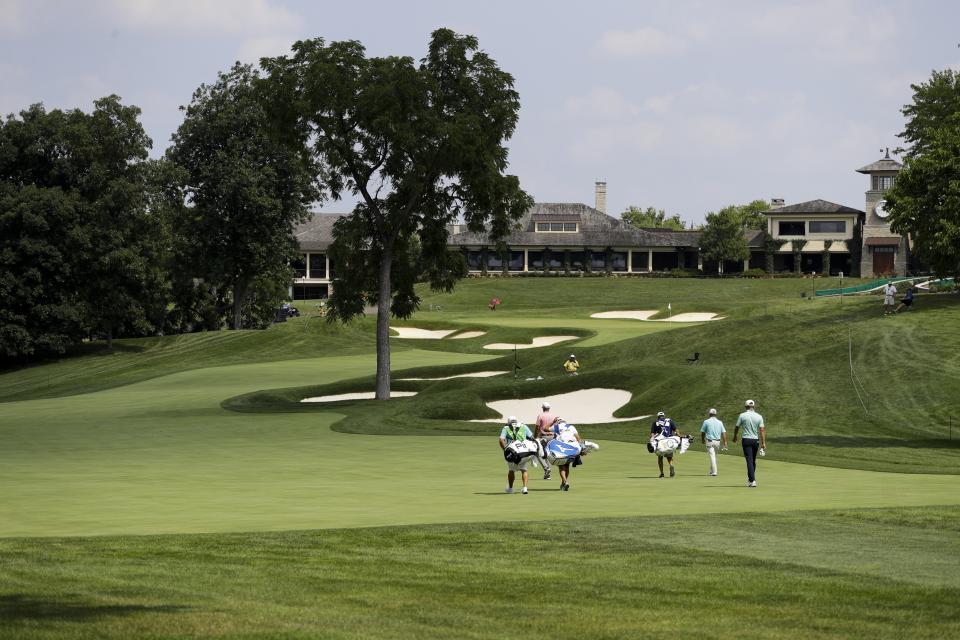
(925, 198)
(244, 191)
(420, 145)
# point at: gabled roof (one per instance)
(813, 206)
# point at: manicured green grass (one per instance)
(205, 435)
(825, 574)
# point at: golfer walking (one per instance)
(889, 298)
(712, 433)
(545, 434)
(754, 439)
(512, 431)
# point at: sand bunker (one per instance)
(468, 334)
(364, 395)
(646, 315)
(421, 334)
(690, 317)
(543, 341)
(475, 374)
(587, 406)
(629, 315)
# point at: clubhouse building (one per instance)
(572, 239)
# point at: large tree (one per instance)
(722, 237)
(651, 218)
(244, 190)
(420, 145)
(925, 198)
(75, 238)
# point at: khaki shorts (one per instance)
(523, 465)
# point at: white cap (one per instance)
(511, 419)
(545, 405)
(712, 412)
(660, 414)
(573, 356)
(749, 403)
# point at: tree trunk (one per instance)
(383, 326)
(238, 295)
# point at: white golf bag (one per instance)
(667, 446)
(519, 450)
(560, 452)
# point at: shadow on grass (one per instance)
(869, 443)
(14, 607)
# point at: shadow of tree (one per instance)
(14, 607)
(869, 443)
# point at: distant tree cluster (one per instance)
(722, 236)
(651, 218)
(97, 241)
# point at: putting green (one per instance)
(162, 456)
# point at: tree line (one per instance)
(98, 241)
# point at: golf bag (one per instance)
(668, 446)
(561, 453)
(518, 450)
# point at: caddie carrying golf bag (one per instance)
(561, 453)
(670, 445)
(518, 450)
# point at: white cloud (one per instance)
(834, 29)
(11, 14)
(644, 42)
(600, 103)
(659, 104)
(224, 16)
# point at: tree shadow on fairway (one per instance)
(869, 443)
(17, 607)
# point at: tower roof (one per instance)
(884, 164)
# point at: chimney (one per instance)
(776, 203)
(601, 197)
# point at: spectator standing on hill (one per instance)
(515, 430)
(712, 433)
(666, 427)
(545, 434)
(907, 300)
(571, 366)
(889, 298)
(754, 439)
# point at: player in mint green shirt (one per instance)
(515, 430)
(754, 439)
(712, 432)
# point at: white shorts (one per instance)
(519, 466)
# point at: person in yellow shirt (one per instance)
(571, 366)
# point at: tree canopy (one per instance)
(651, 218)
(75, 247)
(420, 145)
(244, 191)
(924, 201)
(722, 237)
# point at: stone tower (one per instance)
(883, 252)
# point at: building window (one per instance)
(300, 266)
(885, 249)
(792, 228)
(831, 226)
(618, 261)
(318, 266)
(555, 227)
(310, 291)
(882, 183)
(516, 261)
(474, 260)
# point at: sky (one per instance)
(685, 106)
